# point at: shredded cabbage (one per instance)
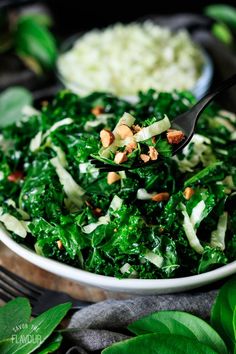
(154, 258)
(19, 227)
(190, 232)
(103, 220)
(218, 235)
(153, 129)
(73, 191)
(196, 215)
(142, 194)
(39, 137)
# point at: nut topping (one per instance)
(107, 137)
(124, 131)
(174, 136)
(113, 177)
(188, 193)
(153, 153)
(145, 158)
(120, 157)
(159, 197)
(97, 110)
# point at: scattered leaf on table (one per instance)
(223, 312)
(13, 316)
(39, 329)
(179, 323)
(12, 101)
(36, 42)
(159, 344)
(224, 13)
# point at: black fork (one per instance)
(41, 299)
(185, 122)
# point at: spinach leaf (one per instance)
(205, 175)
(12, 101)
(37, 331)
(14, 315)
(179, 323)
(223, 312)
(159, 344)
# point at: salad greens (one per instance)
(175, 219)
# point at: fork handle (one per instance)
(204, 101)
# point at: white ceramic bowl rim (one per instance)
(107, 282)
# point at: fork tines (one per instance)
(12, 286)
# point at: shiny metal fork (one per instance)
(41, 299)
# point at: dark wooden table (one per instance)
(18, 265)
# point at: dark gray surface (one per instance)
(102, 324)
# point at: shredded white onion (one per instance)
(124, 59)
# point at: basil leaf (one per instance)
(223, 312)
(159, 344)
(12, 102)
(179, 323)
(36, 42)
(13, 316)
(222, 13)
(38, 330)
(51, 345)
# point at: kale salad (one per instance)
(172, 219)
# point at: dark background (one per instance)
(74, 15)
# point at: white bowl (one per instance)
(132, 286)
(199, 90)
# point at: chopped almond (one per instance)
(159, 197)
(97, 110)
(97, 211)
(188, 193)
(107, 137)
(130, 147)
(174, 136)
(154, 140)
(59, 245)
(145, 158)
(124, 131)
(153, 153)
(15, 176)
(136, 128)
(120, 157)
(113, 177)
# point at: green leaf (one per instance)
(205, 174)
(234, 323)
(222, 32)
(42, 19)
(13, 316)
(12, 102)
(51, 345)
(38, 330)
(223, 312)
(159, 344)
(223, 13)
(36, 42)
(179, 323)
